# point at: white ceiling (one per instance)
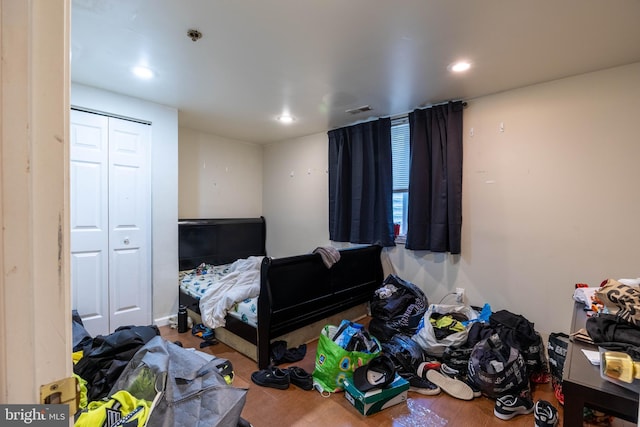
(318, 58)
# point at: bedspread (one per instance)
(241, 282)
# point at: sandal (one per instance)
(271, 377)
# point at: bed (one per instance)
(294, 292)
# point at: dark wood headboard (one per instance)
(219, 241)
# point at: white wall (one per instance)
(219, 177)
(550, 202)
(295, 195)
(164, 185)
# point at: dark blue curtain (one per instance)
(360, 184)
(434, 216)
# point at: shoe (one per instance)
(545, 414)
(202, 331)
(420, 385)
(454, 373)
(508, 406)
(425, 366)
(299, 377)
(451, 386)
(225, 367)
(272, 377)
(448, 371)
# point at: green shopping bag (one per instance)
(334, 363)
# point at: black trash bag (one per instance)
(396, 307)
(406, 354)
(104, 361)
(516, 331)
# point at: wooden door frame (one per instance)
(35, 304)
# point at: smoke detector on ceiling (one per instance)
(194, 35)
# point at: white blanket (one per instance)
(242, 282)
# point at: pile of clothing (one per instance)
(134, 377)
(463, 350)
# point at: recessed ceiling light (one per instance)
(142, 72)
(460, 66)
(285, 118)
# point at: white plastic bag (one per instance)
(426, 338)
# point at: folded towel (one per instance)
(329, 254)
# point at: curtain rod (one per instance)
(402, 115)
(397, 117)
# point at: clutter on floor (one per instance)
(341, 350)
(457, 349)
(207, 334)
(279, 352)
(134, 377)
(372, 400)
(275, 377)
(409, 346)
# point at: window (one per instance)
(400, 165)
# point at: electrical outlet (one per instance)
(460, 295)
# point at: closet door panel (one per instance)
(89, 219)
(129, 223)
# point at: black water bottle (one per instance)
(182, 319)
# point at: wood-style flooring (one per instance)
(296, 407)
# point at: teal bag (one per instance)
(334, 364)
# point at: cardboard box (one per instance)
(376, 400)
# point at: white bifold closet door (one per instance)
(110, 198)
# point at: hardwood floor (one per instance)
(296, 407)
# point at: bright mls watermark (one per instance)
(34, 415)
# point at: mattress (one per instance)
(198, 281)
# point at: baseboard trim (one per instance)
(162, 321)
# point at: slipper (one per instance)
(271, 377)
(451, 386)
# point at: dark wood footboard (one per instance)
(297, 291)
